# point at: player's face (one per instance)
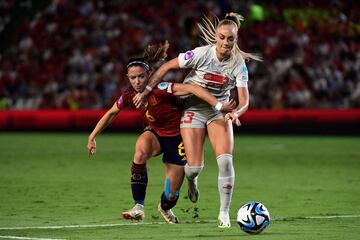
(226, 38)
(138, 77)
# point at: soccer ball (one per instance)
(253, 217)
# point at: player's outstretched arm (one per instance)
(155, 78)
(101, 125)
(180, 89)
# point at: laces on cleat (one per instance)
(168, 215)
(135, 214)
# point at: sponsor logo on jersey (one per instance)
(215, 78)
(163, 85)
(189, 55)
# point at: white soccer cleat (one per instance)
(135, 214)
(193, 191)
(224, 220)
(168, 215)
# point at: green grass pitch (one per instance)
(310, 184)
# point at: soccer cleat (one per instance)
(224, 220)
(193, 191)
(135, 214)
(168, 215)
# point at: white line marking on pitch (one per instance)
(85, 226)
(160, 223)
(328, 217)
(29, 238)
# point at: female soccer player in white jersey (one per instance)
(219, 67)
(162, 134)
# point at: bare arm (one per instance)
(154, 80)
(161, 72)
(243, 96)
(180, 89)
(101, 125)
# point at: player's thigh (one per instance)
(147, 146)
(175, 173)
(221, 136)
(193, 139)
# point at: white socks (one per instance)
(192, 172)
(226, 180)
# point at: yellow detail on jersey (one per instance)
(149, 117)
(181, 151)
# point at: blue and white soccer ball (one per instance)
(253, 217)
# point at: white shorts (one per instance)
(199, 115)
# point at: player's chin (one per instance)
(226, 51)
(139, 89)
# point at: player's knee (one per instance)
(141, 157)
(225, 164)
(168, 202)
(192, 172)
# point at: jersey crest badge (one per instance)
(244, 69)
(120, 100)
(163, 85)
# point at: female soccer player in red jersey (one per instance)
(218, 66)
(162, 113)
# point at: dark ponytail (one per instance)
(153, 54)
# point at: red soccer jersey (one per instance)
(162, 112)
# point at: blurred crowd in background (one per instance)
(73, 54)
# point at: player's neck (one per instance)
(222, 57)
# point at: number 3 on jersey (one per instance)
(187, 117)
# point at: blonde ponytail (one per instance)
(208, 33)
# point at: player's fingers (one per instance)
(227, 116)
(137, 100)
(92, 151)
(137, 103)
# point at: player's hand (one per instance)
(234, 117)
(228, 106)
(91, 146)
(140, 98)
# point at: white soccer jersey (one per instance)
(207, 71)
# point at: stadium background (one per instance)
(70, 55)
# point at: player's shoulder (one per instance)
(198, 51)
(128, 93)
(204, 48)
(240, 64)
